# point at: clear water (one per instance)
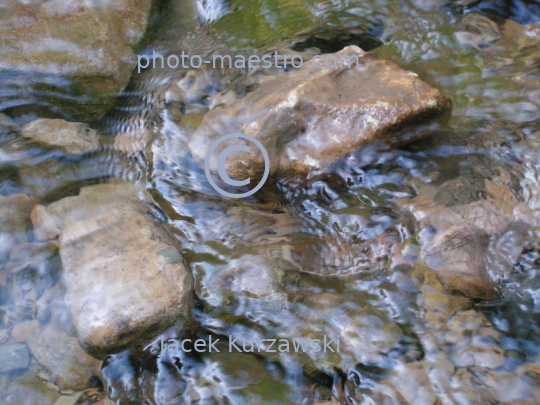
(347, 227)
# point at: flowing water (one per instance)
(350, 229)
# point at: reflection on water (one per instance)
(339, 254)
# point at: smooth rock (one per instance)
(44, 227)
(457, 256)
(21, 331)
(308, 118)
(74, 137)
(471, 243)
(413, 383)
(63, 357)
(14, 357)
(125, 280)
(81, 51)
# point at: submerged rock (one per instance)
(73, 137)
(461, 358)
(125, 280)
(21, 331)
(27, 388)
(239, 377)
(470, 245)
(15, 222)
(81, 52)
(251, 277)
(70, 367)
(310, 117)
(285, 302)
(14, 357)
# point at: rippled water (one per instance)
(337, 254)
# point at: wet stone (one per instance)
(239, 376)
(271, 292)
(253, 277)
(74, 137)
(81, 51)
(309, 118)
(62, 356)
(15, 222)
(14, 357)
(473, 245)
(27, 389)
(125, 280)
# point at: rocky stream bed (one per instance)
(400, 220)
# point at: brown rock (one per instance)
(73, 137)
(14, 221)
(470, 245)
(81, 51)
(457, 255)
(44, 226)
(14, 211)
(125, 280)
(308, 118)
(62, 356)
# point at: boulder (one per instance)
(125, 280)
(74, 137)
(310, 117)
(74, 54)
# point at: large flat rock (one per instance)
(125, 280)
(310, 117)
